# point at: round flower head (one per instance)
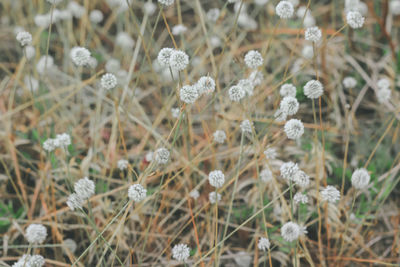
(330, 194)
(355, 19)
(383, 95)
(313, 34)
(213, 14)
(205, 85)
(263, 244)
(49, 145)
(300, 198)
(175, 112)
(289, 169)
(309, 21)
(360, 178)
(266, 175)
(122, 164)
(383, 83)
(188, 94)
(44, 63)
(181, 252)
(161, 155)
(247, 86)
(179, 29)
(260, 2)
(219, 136)
(256, 77)
(289, 105)
(178, 60)
(63, 140)
(76, 9)
(301, 179)
(246, 126)
(24, 38)
(290, 231)
(70, 244)
(164, 55)
(253, 59)
(96, 16)
(216, 178)
(124, 40)
(294, 129)
(80, 56)
(29, 52)
(213, 197)
(84, 188)
(30, 261)
(166, 2)
(149, 8)
(137, 192)
(74, 201)
(394, 7)
(113, 65)
(36, 233)
(236, 93)
(288, 89)
(54, 2)
(313, 89)
(308, 52)
(108, 81)
(270, 153)
(284, 9)
(349, 82)
(194, 194)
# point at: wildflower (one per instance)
(76, 9)
(394, 7)
(213, 14)
(216, 178)
(290, 231)
(288, 89)
(360, 178)
(330, 194)
(270, 153)
(309, 21)
(96, 16)
(179, 29)
(300, 198)
(124, 40)
(219, 136)
(30, 261)
(70, 244)
(313, 89)
(108, 81)
(247, 86)
(301, 179)
(54, 2)
(354, 19)
(214, 197)
(161, 155)
(24, 38)
(80, 55)
(149, 8)
(74, 201)
(313, 34)
(36, 233)
(261, 2)
(113, 65)
(63, 140)
(294, 129)
(149, 156)
(236, 93)
(194, 194)
(263, 244)
(178, 60)
(188, 94)
(289, 105)
(383, 95)
(29, 52)
(256, 77)
(122, 164)
(49, 145)
(246, 126)
(253, 59)
(308, 52)
(40, 66)
(288, 170)
(383, 83)
(93, 62)
(175, 112)
(84, 188)
(284, 9)
(164, 55)
(43, 20)
(349, 82)
(137, 192)
(205, 85)
(31, 83)
(166, 2)
(266, 175)
(181, 252)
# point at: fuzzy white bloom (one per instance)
(74, 201)
(290, 231)
(349, 82)
(260, 2)
(236, 93)
(383, 83)
(92, 62)
(360, 178)
(178, 60)
(289, 105)
(49, 145)
(96, 16)
(84, 188)
(137, 192)
(54, 2)
(70, 244)
(213, 14)
(36, 233)
(175, 112)
(149, 8)
(330, 194)
(253, 59)
(188, 94)
(215, 41)
(63, 14)
(301, 179)
(266, 175)
(288, 89)
(43, 20)
(108, 81)
(309, 21)
(313, 34)
(24, 38)
(40, 66)
(205, 85)
(216, 178)
(300, 198)
(313, 89)
(29, 52)
(181, 252)
(63, 140)
(247, 22)
(246, 126)
(30, 261)
(383, 95)
(124, 40)
(161, 155)
(122, 164)
(113, 65)
(263, 244)
(164, 56)
(355, 19)
(76, 9)
(213, 197)
(394, 7)
(288, 170)
(308, 52)
(80, 56)
(179, 29)
(256, 77)
(194, 194)
(219, 136)
(247, 86)
(284, 9)
(301, 12)
(166, 2)
(294, 129)
(149, 156)
(270, 153)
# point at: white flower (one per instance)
(188, 94)
(213, 14)
(313, 89)
(74, 201)
(63, 140)
(294, 129)
(236, 93)
(246, 126)
(355, 19)
(256, 77)
(216, 178)
(180, 252)
(261, 2)
(301, 179)
(289, 105)
(175, 112)
(309, 21)
(308, 52)
(263, 244)
(300, 198)
(288, 170)
(70, 244)
(24, 38)
(284, 9)
(178, 60)
(288, 89)
(164, 55)
(219, 136)
(137, 192)
(29, 52)
(313, 34)
(108, 81)
(43, 20)
(383, 83)
(31, 83)
(266, 175)
(179, 29)
(290, 231)
(76, 9)
(96, 16)
(54, 2)
(161, 155)
(30, 261)
(349, 82)
(80, 56)
(124, 40)
(205, 85)
(194, 194)
(394, 7)
(84, 188)
(149, 156)
(149, 8)
(166, 2)
(330, 194)
(253, 59)
(36, 233)
(247, 86)
(270, 153)
(92, 62)
(360, 178)
(49, 145)
(213, 197)
(122, 164)
(40, 66)
(383, 95)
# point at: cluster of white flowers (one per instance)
(108, 81)
(263, 244)
(30, 261)
(124, 40)
(84, 189)
(290, 231)
(288, 170)
(179, 29)
(313, 34)
(216, 178)
(205, 85)
(349, 82)
(270, 153)
(213, 197)
(61, 141)
(308, 52)
(194, 194)
(219, 136)
(161, 155)
(383, 93)
(330, 194)
(166, 2)
(213, 14)
(45, 63)
(36, 233)
(287, 89)
(360, 178)
(300, 198)
(24, 38)
(284, 9)
(253, 59)
(301, 179)
(266, 175)
(236, 93)
(96, 16)
(313, 89)
(137, 192)
(175, 59)
(122, 164)
(181, 252)
(246, 126)
(188, 94)
(80, 56)
(294, 129)
(354, 19)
